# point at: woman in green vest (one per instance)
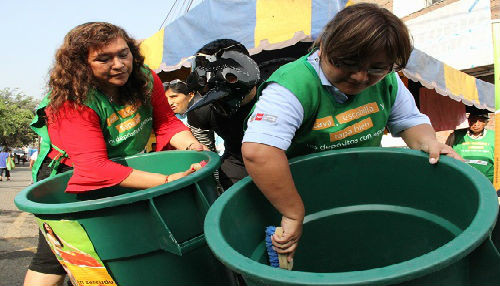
(343, 94)
(103, 103)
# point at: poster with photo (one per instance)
(74, 250)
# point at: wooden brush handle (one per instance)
(283, 258)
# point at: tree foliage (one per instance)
(16, 112)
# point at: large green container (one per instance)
(144, 237)
(373, 217)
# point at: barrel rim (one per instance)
(435, 260)
(24, 203)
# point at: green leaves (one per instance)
(16, 112)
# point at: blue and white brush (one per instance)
(276, 259)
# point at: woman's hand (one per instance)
(193, 168)
(423, 137)
(143, 180)
(197, 146)
(292, 231)
(177, 176)
(436, 148)
(197, 166)
(185, 140)
(269, 169)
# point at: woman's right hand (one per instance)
(268, 166)
(292, 231)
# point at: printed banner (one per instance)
(74, 250)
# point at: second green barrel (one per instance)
(373, 217)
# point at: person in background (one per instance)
(103, 103)
(33, 157)
(224, 78)
(342, 94)
(4, 157)
(476, 144)
(178, 97)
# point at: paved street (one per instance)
(18, 231)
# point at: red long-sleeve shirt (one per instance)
(77, 131)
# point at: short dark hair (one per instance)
(360, 30)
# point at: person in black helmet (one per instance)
(224, 78)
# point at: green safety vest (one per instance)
(479, 153)
(126, 128)
(327, 124)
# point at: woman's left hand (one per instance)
(423, 137)
(436, 148)
(177, 176)
(185, 140)
(193, 168)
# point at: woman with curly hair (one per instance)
(102, 103)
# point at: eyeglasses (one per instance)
(355, 67)
(173, 83)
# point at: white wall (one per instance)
(458, 34)
(402, 8)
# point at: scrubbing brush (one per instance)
(276, 259)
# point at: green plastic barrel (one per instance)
(143, 237)
(373, 217)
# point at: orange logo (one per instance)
(475, 147)
(359, 127)
(127, 111)
(357, 113)
(112, 119)
(127, 125)
(323, 123)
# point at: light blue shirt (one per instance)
(182, 117)
(3, 159)
(288, 113)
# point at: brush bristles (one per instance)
(273, 255)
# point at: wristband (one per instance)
(166, 179)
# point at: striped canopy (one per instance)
(275, 24)
(434, 74)
(257, 24)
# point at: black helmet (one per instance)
(222, 79)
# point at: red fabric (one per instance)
(444, 112)
(79, 258)
(77, 131)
